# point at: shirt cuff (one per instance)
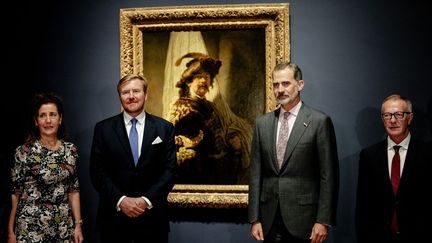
(150, 205)
(118, 203)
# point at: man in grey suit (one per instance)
(293, 199)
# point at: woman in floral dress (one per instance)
(45, 188)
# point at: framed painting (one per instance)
(209, 71)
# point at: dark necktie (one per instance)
(395, 169)
(395, 179)
(282, 139)
(133, 140)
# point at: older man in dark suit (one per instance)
(394, 181)
(133, 167)
(294, 177)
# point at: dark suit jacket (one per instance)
(114, 174)
(307, 185)
(376, 200)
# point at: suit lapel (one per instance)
(300, 125)
(149, 130)
(120, 130)
(272, 125)
(383, 166)
(409, 165)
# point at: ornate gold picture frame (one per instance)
(257, 33)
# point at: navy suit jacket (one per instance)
(114, 174)
(376, 200)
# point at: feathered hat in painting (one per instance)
(200, 64)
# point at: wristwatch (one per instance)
(79, 221)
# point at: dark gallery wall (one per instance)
(353, 54)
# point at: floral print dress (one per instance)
(43, 178)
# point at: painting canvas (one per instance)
(209, 71)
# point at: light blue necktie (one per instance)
(133, 140)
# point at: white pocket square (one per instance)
(157, 140)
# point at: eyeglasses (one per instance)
(398, 115)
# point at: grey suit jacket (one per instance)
(306, 187)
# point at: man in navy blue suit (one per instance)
(133, 192)
(391, 201)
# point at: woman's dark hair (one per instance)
(39, 100)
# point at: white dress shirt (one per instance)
(291, 118)
(140, 129)
(402, 152)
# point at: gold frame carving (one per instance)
(272, 18)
